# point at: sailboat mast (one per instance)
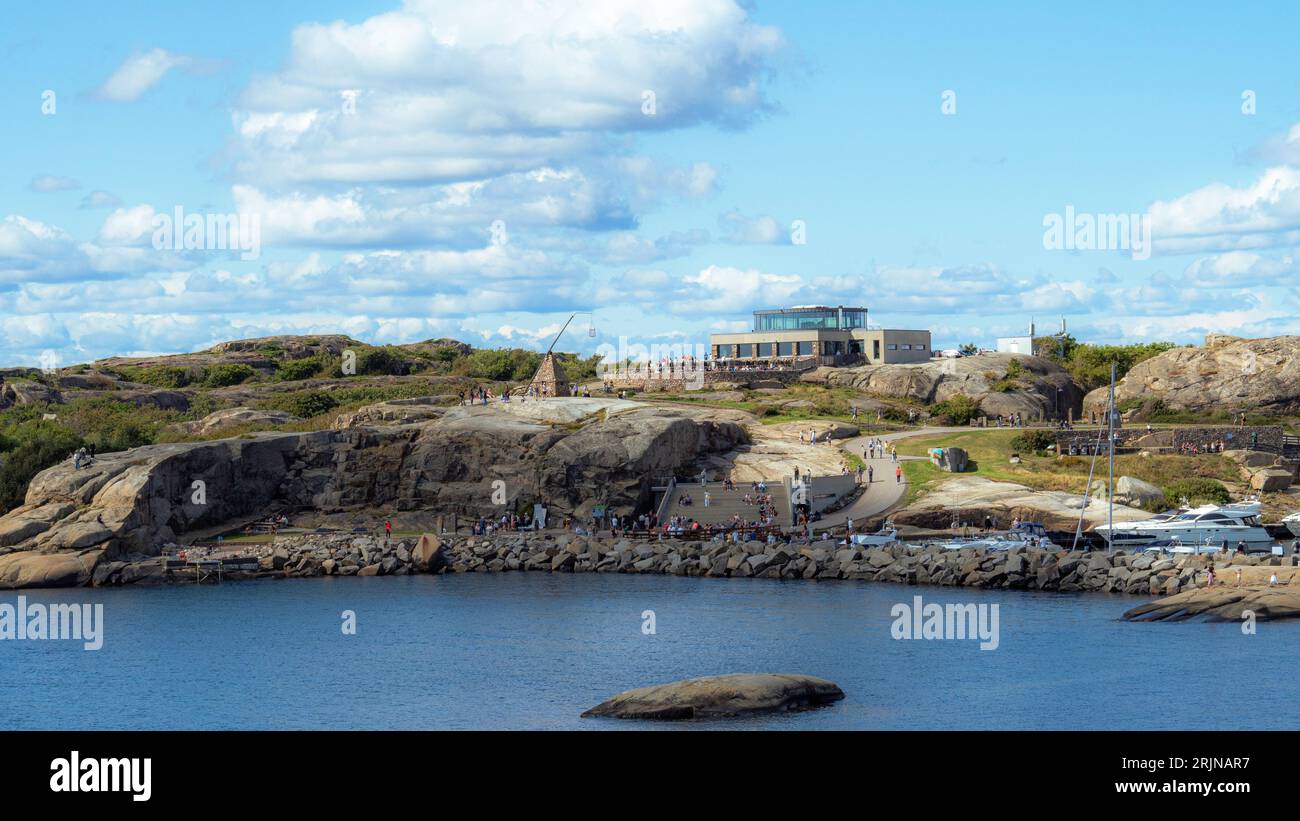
(1110, 482)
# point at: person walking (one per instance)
(898, 474)
(388, 529)
(871, 474)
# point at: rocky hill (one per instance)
(1002, 383)
(567, 453)
(1226, 374)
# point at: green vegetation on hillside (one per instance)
(1089, 365)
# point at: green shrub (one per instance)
(294, 370)
(46, 446)
(446, 355)
(305, 404)
(1032, 440)
(381, 361)
(958, 410)
(220, 376)
(160, 376)
(1197, 492)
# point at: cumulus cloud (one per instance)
(1242, 269)
(32, 251)
(442, 91)
(1219, 217)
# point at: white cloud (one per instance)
(100, 199)
(1219, 217)
(534, 100)
(139, 73)
(51, 183)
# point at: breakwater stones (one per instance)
(1019, 568)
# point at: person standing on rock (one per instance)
(388, 529)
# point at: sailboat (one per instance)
(1110, 481)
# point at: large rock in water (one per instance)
(566, 453)
(1257, 375)
(720, 696)
(1221, 603)
(1033, 392)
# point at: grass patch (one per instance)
(990, 455)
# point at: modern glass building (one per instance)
(810, 317)
(830, 336)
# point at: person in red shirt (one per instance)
(388, 528)
(898, 473)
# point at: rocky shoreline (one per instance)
(1017, 569)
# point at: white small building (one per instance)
(1016, 344)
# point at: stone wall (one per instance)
(676, 383)
(1266, 438)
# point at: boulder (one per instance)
(1269, 480)
(1132, 492)
(1033, 392)
(62, 569)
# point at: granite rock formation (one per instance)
(133, 502)
(1227, 373)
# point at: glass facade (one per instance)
(785, 349)
(798, 319)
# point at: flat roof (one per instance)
(807, 308)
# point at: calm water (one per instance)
(533, 651)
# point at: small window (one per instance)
(891, 347)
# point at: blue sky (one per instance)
(377, 143)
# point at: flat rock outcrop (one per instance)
(970, 498)
(235, 417)
(134, 502)
(720, 696)
(1222, 603)
(1032, 392)
(1228, 373)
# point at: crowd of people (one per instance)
(507, 523)
(483, 395)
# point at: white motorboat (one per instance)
(888, 534)
(1216, 526)
(1292, 523)
(1024, 534)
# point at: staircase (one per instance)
(723, 504)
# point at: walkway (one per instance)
(884, 493)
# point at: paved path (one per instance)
(883, 493)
